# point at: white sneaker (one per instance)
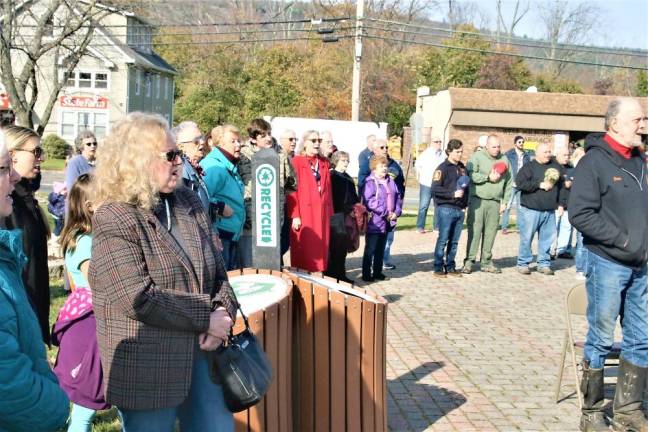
(580, 276)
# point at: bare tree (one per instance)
(467, 12)
(567, 23)
(42, 42)
(508, 27)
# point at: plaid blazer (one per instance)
(151, 299)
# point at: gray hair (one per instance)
(613, 109)
(335, 158)
(78, 142)
(182, 126)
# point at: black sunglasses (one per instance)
(37, 152)
(171, 155)
(292, 139)
(315, 140)
(92, 143)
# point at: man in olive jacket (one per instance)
(490, 190)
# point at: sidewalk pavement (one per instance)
(475, 353)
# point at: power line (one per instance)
(490, 35)
(508, 54)
(491, 39)
(248, 23)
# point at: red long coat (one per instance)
(309, 245)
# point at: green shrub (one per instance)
(56, 147)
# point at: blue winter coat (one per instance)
(225, 184)
(30, 397)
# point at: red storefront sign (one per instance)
(88, 102)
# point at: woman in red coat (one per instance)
(310, 207)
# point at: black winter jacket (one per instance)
(608, 203)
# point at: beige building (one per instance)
(466, 114)
(119, 74)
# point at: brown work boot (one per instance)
(628, 398)
(592, 416)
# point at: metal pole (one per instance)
(355, 94)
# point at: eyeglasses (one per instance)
(437, 142)
(315, 140)
(171, 155)
(521, 142)
(197, 140)
(38, 152)
(382, 147)
(92, 143)
(292, 139)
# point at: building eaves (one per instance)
(527, 102)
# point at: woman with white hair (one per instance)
(31, 397)
(83, 163)
(160, 291)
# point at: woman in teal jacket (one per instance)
(30, 397)
(225, 188)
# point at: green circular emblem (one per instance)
(265, 176)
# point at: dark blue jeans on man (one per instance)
(230, 248)
(535, 221)
(373, 254)
(613, 290)
(450, 222)
(425, 197)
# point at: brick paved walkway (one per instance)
(476, 353)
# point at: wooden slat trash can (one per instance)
(266, 297)
(339, 356)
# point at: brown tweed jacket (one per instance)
(151, 299)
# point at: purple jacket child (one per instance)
(375, 196)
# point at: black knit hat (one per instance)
(519, 137)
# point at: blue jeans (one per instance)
(230, 257)
(388, 244)
(531, 222)
(244, 251)
(564, 234)
(580, 258)
(203, 410)
(515, 197)
(613, 290)
(81, 419)
(425, 197)
(450, 223)
(373, 254)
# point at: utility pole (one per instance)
(355, 93)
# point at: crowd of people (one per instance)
(147, 260)
(536, 184)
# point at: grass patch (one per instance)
(52, 164)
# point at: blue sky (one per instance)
(625, 21)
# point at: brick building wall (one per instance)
(470, 136)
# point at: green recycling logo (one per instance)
(265, 176)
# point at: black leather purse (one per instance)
(242, 369)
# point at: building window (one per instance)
(158, 78)
(166, 87)
(148, 84)
(101, 80)
(138, 81)
(73, 122)
(88, 80)
(85, 80)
